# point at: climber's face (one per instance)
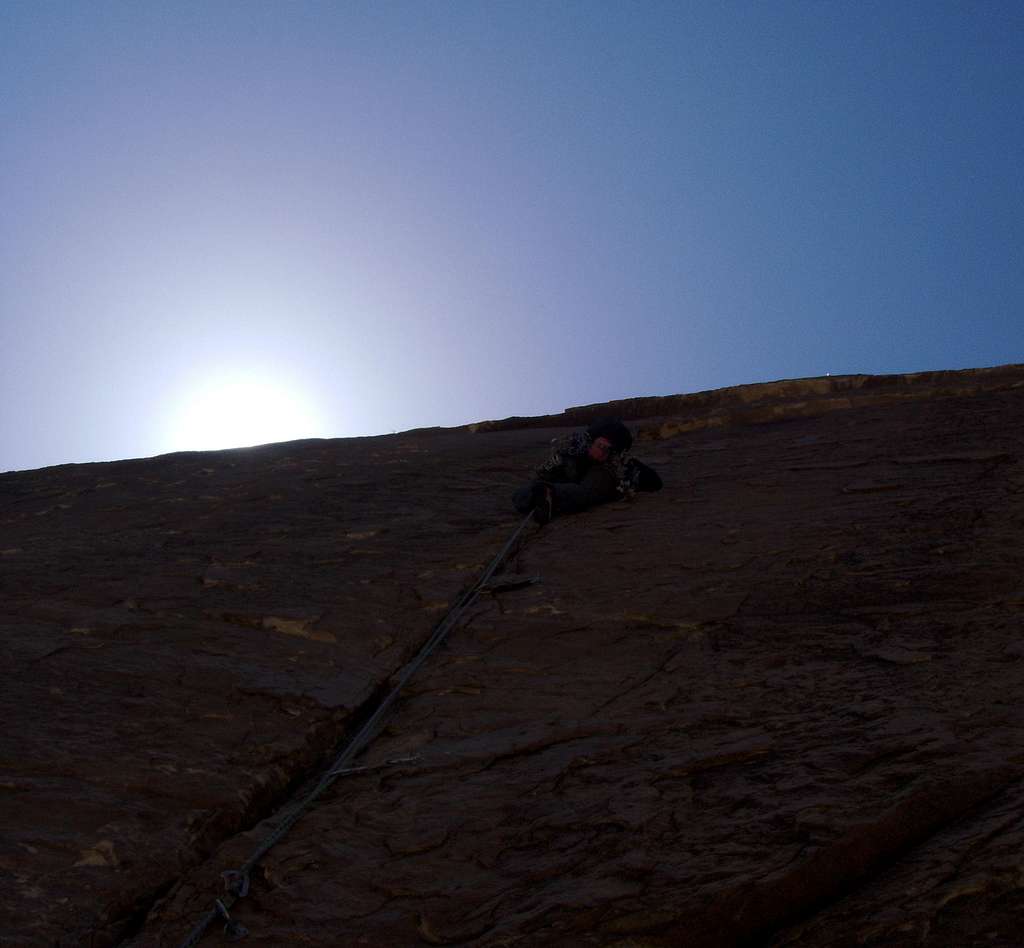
(600, 450)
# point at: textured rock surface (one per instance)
(185, 636)
(776, 703)
(777, 401)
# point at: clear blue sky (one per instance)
(226, 222)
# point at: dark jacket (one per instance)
(570, 462)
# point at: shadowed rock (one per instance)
(776, 703)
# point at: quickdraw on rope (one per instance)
(237, 880)
(233, 930)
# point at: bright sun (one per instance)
(240, 411)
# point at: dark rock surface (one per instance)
(776, 703)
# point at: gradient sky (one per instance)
(232, 222)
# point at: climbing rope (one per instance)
(237, 880)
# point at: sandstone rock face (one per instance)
(776, 703)
(763, 402)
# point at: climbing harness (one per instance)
(236, 881)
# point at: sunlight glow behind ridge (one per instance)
(229, 223)
(240, 411)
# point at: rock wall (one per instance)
(765, 402)
(775, 703)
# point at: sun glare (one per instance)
(239, 412)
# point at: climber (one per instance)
(587, 468)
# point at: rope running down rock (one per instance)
(238, 880)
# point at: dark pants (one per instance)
(597, 487)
